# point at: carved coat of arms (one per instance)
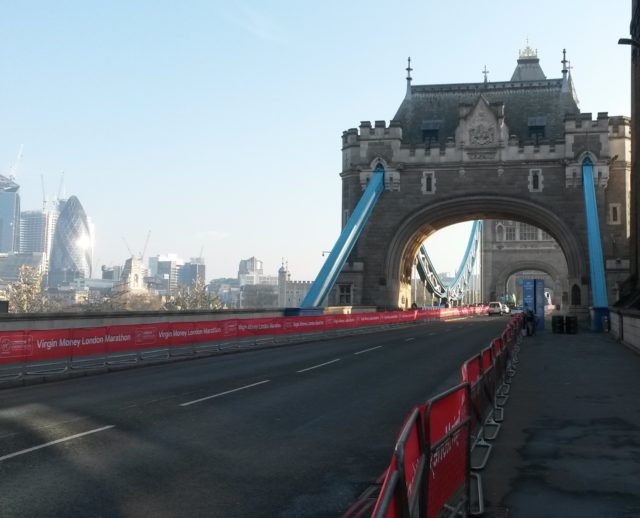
(481, 135)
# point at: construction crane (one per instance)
(61, 187)
(146, 242)
(44, 196)
(13, 170)
(127, 245)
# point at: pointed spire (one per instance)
(409, 69)
(565, 71)
(485, 72)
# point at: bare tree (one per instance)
(25, 295)
(196, 296)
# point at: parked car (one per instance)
(495, 308)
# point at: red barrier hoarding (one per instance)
(21, 346)
(472, 370)
(389, 504)
(487, 358)
(449, 439)
(16, 346)
(410, 454)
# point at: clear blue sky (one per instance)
(217, 125)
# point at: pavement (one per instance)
(570, 441)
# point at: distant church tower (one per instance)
(283, 277)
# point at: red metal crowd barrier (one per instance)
(432, 462)
(428, 466)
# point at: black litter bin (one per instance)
(571, 325)
(557, 324)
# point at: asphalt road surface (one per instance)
(295, 431)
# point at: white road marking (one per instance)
(409, 339)
(367, 350)
(432, 334)
(318, 366)
(64, 439)
(223, 393)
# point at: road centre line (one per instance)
(57, 441)
(367, 350)
(223, 393)
(410, 339)
(318, 366)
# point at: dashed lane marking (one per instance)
(318, 366)
(367, 350)
(57, 441)
(223, 393)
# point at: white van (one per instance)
(495, 308)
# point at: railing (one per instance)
(445, 442)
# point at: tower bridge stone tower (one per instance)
(508, 150)
(511, 248)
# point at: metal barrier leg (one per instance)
(481, 443)
(477, 496)
(500, 400)
(494, 428)
(498, 414)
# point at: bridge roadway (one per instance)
(296, 431)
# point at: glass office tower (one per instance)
(9, 215)
(71, 253)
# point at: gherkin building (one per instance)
(71, 252)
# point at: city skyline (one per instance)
(228, 140)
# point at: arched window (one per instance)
(499, 232)
(575, 295)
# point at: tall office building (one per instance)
(191, 270)
(9, 215)
(251, 271)
(33, 229)
(72, 248)
(37, 229)
(165, 270)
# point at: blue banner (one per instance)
(528, 294)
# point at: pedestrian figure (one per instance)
(530, 322)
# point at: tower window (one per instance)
(528, 232)
(510, 234)
(430, 137)
(430, 129)
(344, 294)
(537, 127)
(614, 214)
(428, 182)
(535, 180)
(536, 133)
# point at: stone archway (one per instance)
(561, 285)
(418, 225)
